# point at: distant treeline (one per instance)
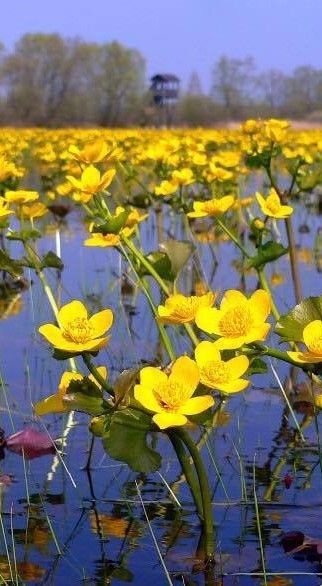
(51, 81)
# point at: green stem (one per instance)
(147, 265)
(293, 261)
(93, 370)
(205, 491)
(187, 470)
(163, 333)
(233, 238)
(257, 349)
(266, 287)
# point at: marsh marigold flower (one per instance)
(54, 403)
(272, 207)
(238, 321)
(91, 181)
(102, 240)
(76, 332)
(217, 373)
(312, 337)
(170, 397)
(181, 309)
(4, 208)
(211, 207)
(21, 196)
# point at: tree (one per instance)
(119, 82)
(233, 84)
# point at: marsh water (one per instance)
(64, 524)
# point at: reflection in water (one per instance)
(95, 532)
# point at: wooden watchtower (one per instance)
(165, 92)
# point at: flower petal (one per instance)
(305, 357)
(312, 332)
(164, 420)
(185, 372)
(151, 377)
(260, 304)
(52, 404)
(70, 311)
(231, 343)
(237, 366)
(196, 405)
(52, 333)
(207, 319)
(232, 298)
(234, 386)
(206, 351)
(101, 322)
(146, 397)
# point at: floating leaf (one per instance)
(126, 440)
(291, 325)
(270, 251)
(84, 395)
(9, 265)
(30, 442)
(51, 260)
(179, 252)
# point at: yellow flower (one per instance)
(183, 176)
(211, 207)
(238, 321)
(275, 129)
(54, 403)
(170, 397)
(166, 188)
(217, 374)
(36, 210)
(93, 152)
(133, 218)
(179, 309)
(4, 208)
(312, 336)
(21, 196)
(272, 207)
(91, 181)
(76, 332)
(102, 240)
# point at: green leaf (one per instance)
(51, 260)
(126, 440)
(161, 264)
(24, 235)
(291, 325)
(179, 252)
(9, 265)
(270, 251)
(85, 396)
(257, 366)
(113, 225)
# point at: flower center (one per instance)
(187, 307)
(211, 207)
(78, 330)
(215, 371)
(273, 203)
(236, 322)
(171, 395)
(316, 345)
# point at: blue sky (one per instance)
(180, 36)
